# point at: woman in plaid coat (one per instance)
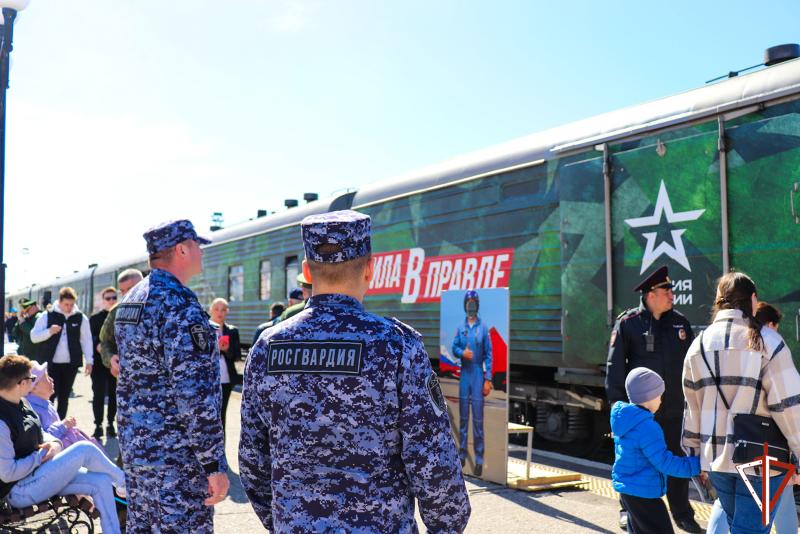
(756, 375)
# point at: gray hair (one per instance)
(129, 274)
(219, 300)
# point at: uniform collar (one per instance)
(477, 322)
(647, 313)
(164, 277)
(333, 299)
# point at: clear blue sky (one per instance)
(123, 114)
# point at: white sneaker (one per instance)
(623, 520)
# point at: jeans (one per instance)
(785, 516)
(646, 516)
(63, 375)
(470, 394)
(741, 510)
(103, 385)
(226, 395)
(80, 468)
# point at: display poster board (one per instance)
(474, 335)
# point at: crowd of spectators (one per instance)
(738, 366)
(44, 453)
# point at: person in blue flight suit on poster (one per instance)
(473, 347)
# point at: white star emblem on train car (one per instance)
(675, 251)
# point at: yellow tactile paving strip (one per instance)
(602, 486)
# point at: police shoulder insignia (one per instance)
(200, 336)
(129, 313)
(682, 334)
(435, 394)
(628, 314)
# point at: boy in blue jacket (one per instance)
(641, 459)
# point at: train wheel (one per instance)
(571, 431)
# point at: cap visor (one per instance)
(203, 240)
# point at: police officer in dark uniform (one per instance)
(655, 336)
(344, 424)
(169, 392)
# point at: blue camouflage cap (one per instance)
(347, 229)
(170, 233)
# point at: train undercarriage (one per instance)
(569, 419)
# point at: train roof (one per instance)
(280, 219)
(239, 231)
(755, 88)
(752, 89)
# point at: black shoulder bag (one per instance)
(751, 431)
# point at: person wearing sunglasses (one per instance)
(126, 281)
(34, 466)
(66, 341)
(103, 384)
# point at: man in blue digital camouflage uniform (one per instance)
(169, 393)
(473, 347)
(344, 424)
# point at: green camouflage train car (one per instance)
(569, 220)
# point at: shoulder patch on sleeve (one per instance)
(627, 314)
(435, 394)
(200, 336)
(404, 327)
(129, 313)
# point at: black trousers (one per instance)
(63, 375)
(646, 516)
(103, 385)
(226, 395)
(677, 488)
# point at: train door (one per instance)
(763, 156)
(291, 270)
(583, 271)
(665, 210)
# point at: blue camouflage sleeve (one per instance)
(428, 450)
(255, 461)
(192, 362)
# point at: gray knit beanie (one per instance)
(643, 385)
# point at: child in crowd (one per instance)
(641, 459)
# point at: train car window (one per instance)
(525, 183)
(47, 298)
(292, 270)
(235, 283)
(265, 280)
